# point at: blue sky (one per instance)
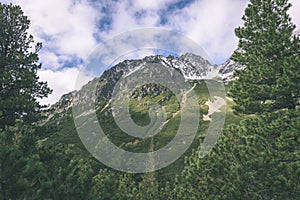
(71, 29)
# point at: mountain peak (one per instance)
(191, 66)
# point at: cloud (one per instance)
(150, 4)
(52, 60)
(127, 16)
(64, 27)
(61, 82)
(71, 29)
(211, 24)
(294, 12)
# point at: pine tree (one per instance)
(148, 188)
(256, 159)
(19, 84)
(21, 171)
(105, 185)
(66, 174)
(270, 52)
(127, 187)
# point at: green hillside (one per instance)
(61, 129)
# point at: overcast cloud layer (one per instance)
(71, 29)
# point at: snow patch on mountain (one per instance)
(213, 106)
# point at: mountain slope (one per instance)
(60, 127)
(191, 66)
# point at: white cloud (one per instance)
(295, 13)
(151, 4)
(66, 27)
(51, 58)
(211, 24)
(125, 16)
(61, 82)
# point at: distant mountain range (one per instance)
(192, 67)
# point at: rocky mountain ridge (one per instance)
(191, 66)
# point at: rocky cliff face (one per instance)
(191, 66)
(227, 69)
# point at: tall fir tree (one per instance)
(19, 84)
(21, 171)
(256, 159)
(105, 185)
(270, 52)
(127, 187)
